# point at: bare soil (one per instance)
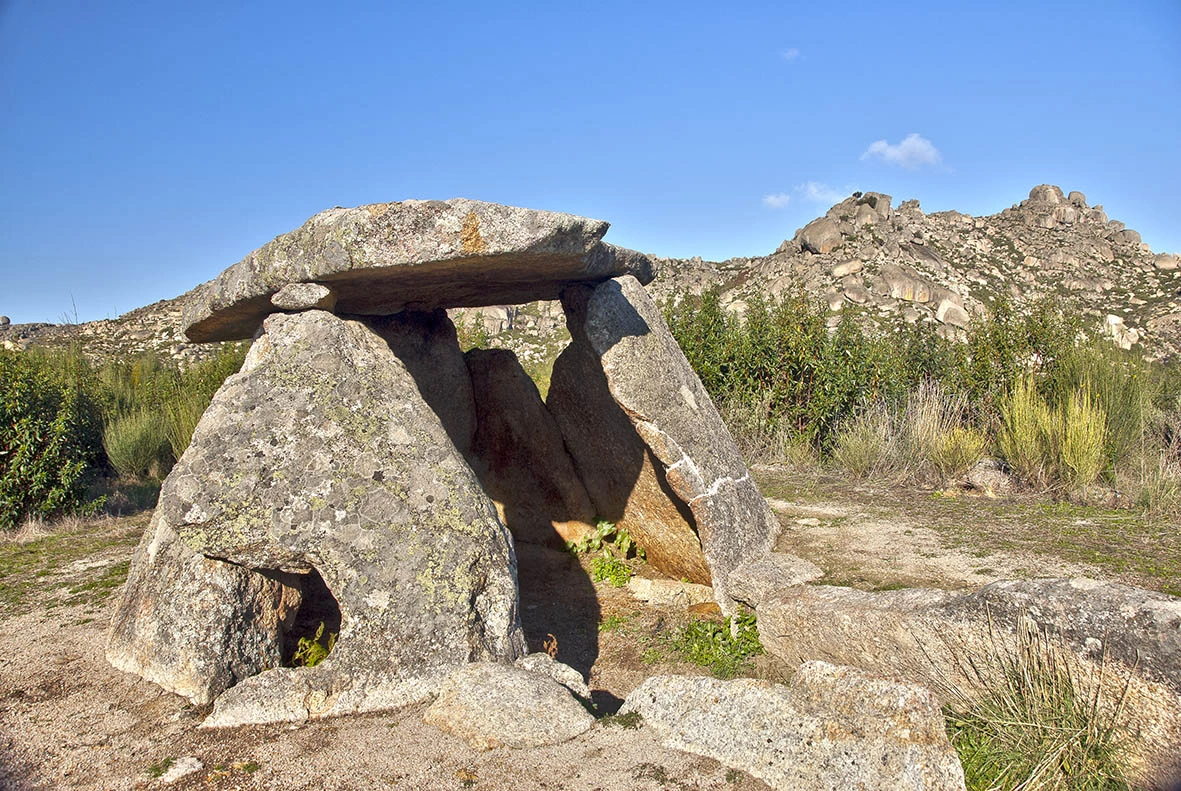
(69, 720)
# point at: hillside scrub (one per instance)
(64, 422)
(1061, 409)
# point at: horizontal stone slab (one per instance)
(382, 258)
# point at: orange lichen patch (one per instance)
(470, 235)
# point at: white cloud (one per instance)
(776, 201)
(913, 152)
(791, 54)
(820, 193)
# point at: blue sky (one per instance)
(144, 147)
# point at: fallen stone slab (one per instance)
(382, 258)
(833, 729)
(491, 705)
(753, 582)
(546, 665)
(669, 593)
(285, 694)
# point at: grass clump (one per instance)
(726, 648)
(137, 445)
(1030, 718)
(630, 721)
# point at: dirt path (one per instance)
(876, 536)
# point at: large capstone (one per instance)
(380, 259)
(322, 455)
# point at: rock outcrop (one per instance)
(833, 729)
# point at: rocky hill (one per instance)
(864, 255)
(947, 267)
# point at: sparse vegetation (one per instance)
(311, 651)
(607, 568)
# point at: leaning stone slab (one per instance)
(833, 729)
(652, 383)
(193, 625)
(491, 705)
(944, 639)
(321, 454)
(382, 258)
(669, 593)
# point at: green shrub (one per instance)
(725, 648)
(137, 444)
(957, 450)
(1084, 431)
(1028, 435)
(865, 445)
(49, 434)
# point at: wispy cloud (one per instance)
(791, 54)
(777, 200)
(915, 151)
(817, 192)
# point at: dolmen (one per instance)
(363, 474)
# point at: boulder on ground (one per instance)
(385, 257)
(322, 455)
(491, 705)
(519, 456)
(943, 639)
(834, 728)
(822, 235)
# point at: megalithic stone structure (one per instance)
(342, 478)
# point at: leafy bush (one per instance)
(725, 648)
(49, 434)
(311, 651)
(610, 569)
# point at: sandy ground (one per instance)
(68, 720)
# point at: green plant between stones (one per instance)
(724, 648)
(311, 651)
(607, 568)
